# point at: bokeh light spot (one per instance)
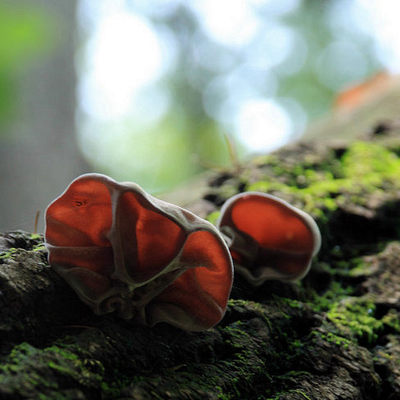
(262, 125)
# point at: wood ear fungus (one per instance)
(268, 238)
(123, 250)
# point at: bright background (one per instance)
(145, 90)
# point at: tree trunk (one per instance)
(334, 335)
(39, 153)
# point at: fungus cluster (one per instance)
(123, 250)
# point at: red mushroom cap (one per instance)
(122, 249)
(268, 238)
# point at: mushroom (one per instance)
(268, 238)
(123, 250)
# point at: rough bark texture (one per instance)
(334, 335)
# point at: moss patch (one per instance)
(44, 369)
(294, 341)
(364, 168)
(355, 318)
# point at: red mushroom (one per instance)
(268, 238)
(122, 249)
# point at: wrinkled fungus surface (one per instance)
(126, 251)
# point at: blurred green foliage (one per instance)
(210, 80)
(25, 33)
(205, 78)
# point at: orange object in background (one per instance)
(358, 95)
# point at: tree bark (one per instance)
(334, 335)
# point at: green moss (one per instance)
(253, 306)
(358, 267)
(364, 168)
(235, 334)
(213, 217)
(113, 390)
(371, 162)
(290, 302)
(352, 268)
(301, 392)
(334, 294)
(194, 381)
(22, 361)
(392, 320)
(7, 254)
(354, 318)
(332, 338)
(42, 369)
(65, 354)
(277, 331)
(231, 377)
(268, 186)
(39, 247)
(221, 395)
